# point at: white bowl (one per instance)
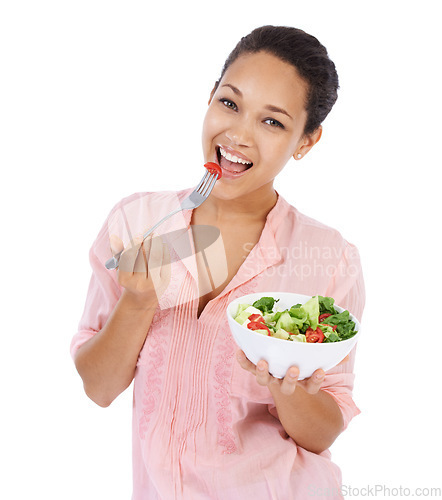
(281, 354)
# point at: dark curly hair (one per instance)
(307, 55)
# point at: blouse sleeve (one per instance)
(103, 293)
(347, 288)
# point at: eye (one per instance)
(228, 104)
(274, 123)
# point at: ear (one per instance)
(213, 92)
(307, 142)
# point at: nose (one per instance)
(239, 133)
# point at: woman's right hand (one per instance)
(144, 269)
(107, 362)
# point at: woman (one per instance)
(206, 425)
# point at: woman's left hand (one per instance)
(288, 384)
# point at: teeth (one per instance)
(233, 158)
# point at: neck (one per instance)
(254, 208)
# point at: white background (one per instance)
(100, 99)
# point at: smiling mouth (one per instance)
(232, 163)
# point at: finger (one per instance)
(165, 267)
(244, 362)
(129, 256)
(263, 376)
(141, 265)
(290, 381)
(313, 383)
(116, 244)
(155, 265)
(155, 255)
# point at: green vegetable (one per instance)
(265, 304)
(298, 314)
(298, 338)
(332, 337)
(311, 307)
(242, 317)
(345, 326)
(326, 305)
(262, 332)
(288, 323)
(329, 333)
(241, 308)
(281, 334)
(272, 317)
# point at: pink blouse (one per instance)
(202, 426)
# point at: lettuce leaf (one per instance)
(299, 315)
(265, 304)
(298, 338)
(345, 326)
(326, 305)
(287, 323)
(281, 334)
(329, 334)
(311, 307)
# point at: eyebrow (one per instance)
(275, 109)
(237, 91)
(269, 107)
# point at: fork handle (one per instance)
(114, 261)
(152, 229)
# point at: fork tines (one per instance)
(207, 183)
(203, 180)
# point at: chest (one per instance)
(219, 265)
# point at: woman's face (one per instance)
(255, 123)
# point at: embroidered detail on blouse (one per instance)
(153, 354)
(223, 370)
(160, 318)
(223, 375)
(155, 351)
(246, 288)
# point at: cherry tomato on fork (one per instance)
(214, 168)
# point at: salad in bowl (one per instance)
(288, 329)
(316, 320)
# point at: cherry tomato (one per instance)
(213, 168)
(323, 316)
(331, 326)
(257, 325)
(313, 336)
(256, 317)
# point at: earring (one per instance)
(299, 156)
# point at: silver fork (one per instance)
(195, 199)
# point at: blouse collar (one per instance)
(265, 253)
